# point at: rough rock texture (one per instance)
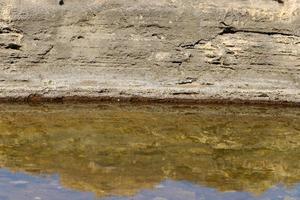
(166, 49)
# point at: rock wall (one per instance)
(202, 50)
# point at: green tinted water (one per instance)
(121, 150)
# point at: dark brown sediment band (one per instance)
(36, 99)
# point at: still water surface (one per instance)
(122, 152)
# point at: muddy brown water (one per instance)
(159, 152)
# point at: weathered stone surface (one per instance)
(183, 49)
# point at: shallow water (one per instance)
(58, 152)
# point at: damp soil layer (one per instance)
(37, 99)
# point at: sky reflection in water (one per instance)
(20, 186)
(79, 152)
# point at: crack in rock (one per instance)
(228, 29)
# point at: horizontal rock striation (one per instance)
(201, 50)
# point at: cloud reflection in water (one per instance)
(22, 186)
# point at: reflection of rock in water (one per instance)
(122, 149)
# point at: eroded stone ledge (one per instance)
(200, 50)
